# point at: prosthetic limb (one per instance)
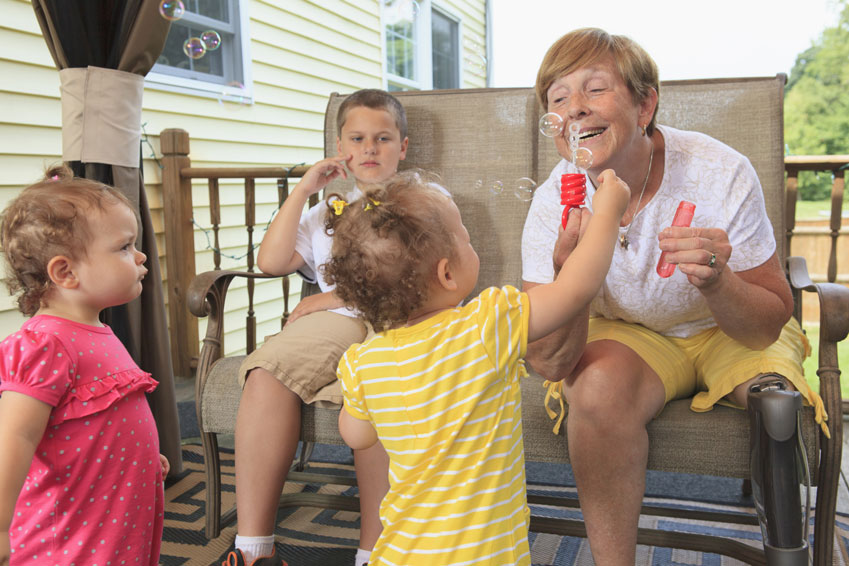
(777, 466)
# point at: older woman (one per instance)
(718, 324)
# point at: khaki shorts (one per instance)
(710, 364)
(304, 355)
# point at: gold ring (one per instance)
(712, 261)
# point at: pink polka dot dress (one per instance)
(94, 492)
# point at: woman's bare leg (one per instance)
(612, 396)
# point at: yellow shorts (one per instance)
(710, 364)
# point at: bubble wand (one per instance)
(573, 186)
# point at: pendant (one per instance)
(623, 241)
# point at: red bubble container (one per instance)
(573, 192)
(683, 217)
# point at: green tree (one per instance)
(816, 104)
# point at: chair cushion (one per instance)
(680, 440)
(220, 396)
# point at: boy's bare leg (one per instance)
(267, 431)
(372, 467)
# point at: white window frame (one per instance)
(158, 80)
(423, 49)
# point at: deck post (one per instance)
(179, 246)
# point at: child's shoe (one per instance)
(236, 558)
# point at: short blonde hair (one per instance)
(374, 99)
(585, 46)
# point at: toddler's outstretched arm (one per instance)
(277, 255)
(552, 305)
(23, 420)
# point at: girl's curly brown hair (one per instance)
(48, 218)
(386, 246)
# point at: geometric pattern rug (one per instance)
(325, 537)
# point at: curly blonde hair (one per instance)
(48, 219)
(386, 246)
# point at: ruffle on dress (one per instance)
(85, 399)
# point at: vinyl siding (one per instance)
(301, 51)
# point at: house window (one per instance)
(221, 69)
(422, 46)
(445, 42)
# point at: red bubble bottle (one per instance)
(573, 192)
(683, 217)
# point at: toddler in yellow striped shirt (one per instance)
(438, 384)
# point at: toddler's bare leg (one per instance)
(267, 432)
(372, 467)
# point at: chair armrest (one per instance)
(213, 285)
(834, 326)
(833, 299)
(205, 297)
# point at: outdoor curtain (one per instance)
(103, 49)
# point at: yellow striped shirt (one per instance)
(445, 400)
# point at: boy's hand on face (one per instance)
(319, 175)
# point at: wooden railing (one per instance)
(178, 209)
(837, 165)
(177, 175)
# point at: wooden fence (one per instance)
(820, 243)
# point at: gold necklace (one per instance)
(623, 239)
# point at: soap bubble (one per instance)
(194, 48)
(524, 190)
(583, 158)
(171, 10)
(211, 40)
(227, 95)
(574, 130)
(550, 124)
(395, 11)
(476, 58)
(495, 187)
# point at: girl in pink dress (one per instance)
(80, 469)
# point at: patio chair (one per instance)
(475, 139)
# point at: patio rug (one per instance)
(322, 537)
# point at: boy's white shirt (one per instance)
(314, 245)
